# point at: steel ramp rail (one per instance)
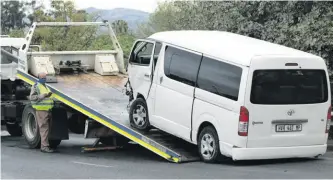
(163, 144)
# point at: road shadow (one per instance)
(10, 141)
(130, 152)
(133, 152)
(269, 162)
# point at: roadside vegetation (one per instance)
(303, 25)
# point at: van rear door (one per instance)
(288, 102)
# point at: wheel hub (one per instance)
(139, 115)
(31, 127)
(207, 148)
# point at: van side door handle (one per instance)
(161, 79)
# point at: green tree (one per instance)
(72, 38)
(64, 38)
(120, 27)
(16, 33)
(101, 42)
(303, 25)
(12, 15)
(126, 42)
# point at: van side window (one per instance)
(181, 65)
(219, 78)
(141, 54)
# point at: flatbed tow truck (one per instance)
(93, 102)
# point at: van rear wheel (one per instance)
(139, 115)
(208, 145)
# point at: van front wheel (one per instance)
(208, 145)
(139, 115)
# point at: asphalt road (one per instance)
(18, 161)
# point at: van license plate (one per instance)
(288, 127)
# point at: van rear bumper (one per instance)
(278, 152)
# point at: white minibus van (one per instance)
(231, 95)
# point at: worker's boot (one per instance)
(47, 150)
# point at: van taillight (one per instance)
(328, 122)
(243, 121)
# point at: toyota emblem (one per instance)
(291, 112)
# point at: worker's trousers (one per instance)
(44, 119)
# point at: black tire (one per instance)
(14, 129)
(145, 126)
(209, 132)
(76, 124)
(33, 137)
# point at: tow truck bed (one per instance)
(101, 98)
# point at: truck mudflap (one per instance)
(124, 130)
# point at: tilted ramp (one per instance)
(101, 99)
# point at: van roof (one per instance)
(232, 47)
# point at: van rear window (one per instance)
(289, 87)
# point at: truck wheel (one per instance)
(14, 129)
(76, 124)
(30, 127)
(139, 115)
(208, 145)
(31, 131)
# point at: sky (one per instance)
(143, 5)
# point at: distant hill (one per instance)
(131, 16)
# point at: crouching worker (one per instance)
(43, 104)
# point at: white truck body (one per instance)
(9, 53)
